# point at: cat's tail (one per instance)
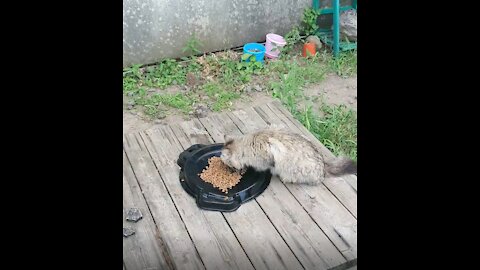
(340, 166)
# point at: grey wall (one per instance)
(157, 29)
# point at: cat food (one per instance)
(220, 175)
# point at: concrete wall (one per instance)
(157, 29)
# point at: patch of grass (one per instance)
(292, 38)
(293, 76)
(221, 96)
(192, 66)
(131, 77)
(193, 46)
(235, 73)
(133, 71)
(309, 20)
(155, 104)
(336, 129)
(165, 73)
(178, 101)
(345, 65)
(288, 88)
(247, 69)
(229, 73)
(161, 75)
(334, 126)
(129, 84)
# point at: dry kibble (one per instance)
(220, 175)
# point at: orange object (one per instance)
(310, 48)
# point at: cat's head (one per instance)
(229, 151)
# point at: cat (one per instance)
(290, 156)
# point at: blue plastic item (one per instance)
(256, 49)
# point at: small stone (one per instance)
(315, 40)
(348, 25)
(128, 232)
(158, 121)
(190, 112)
(134, 214)
(150, 69)
(174, 82)
(205, 97)
(248, 89)
(129, 107)
(201, 111)
(191, 79)
(258, 88)
(130, 94)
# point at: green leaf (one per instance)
(245, 56)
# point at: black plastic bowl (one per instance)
(193, 160)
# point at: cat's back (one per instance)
(288, 139)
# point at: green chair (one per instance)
(332, 37)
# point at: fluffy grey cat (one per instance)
(290, 156)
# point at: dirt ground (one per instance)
(336, 90)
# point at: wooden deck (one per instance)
(286, 227)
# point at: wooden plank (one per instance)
(211, 234)
(339, 186)
(143, 250)
(331, 216)
(171, 228)
(334, 219)
(259, 238)
(344, 192)
(345, 266)
(304, 237)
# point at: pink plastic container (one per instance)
(274, 41)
